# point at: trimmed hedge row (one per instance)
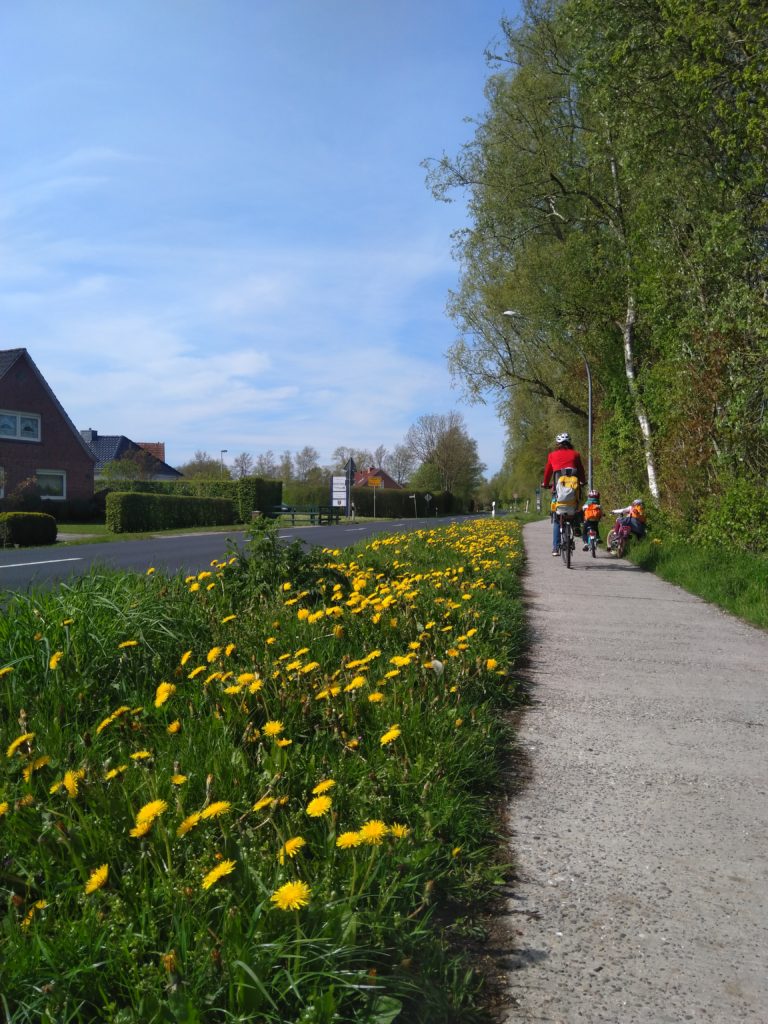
(27, 529)
(131, 512)
(390, 504)
(248, 494)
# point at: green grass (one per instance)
(99, 534)
(733, 580)
(130, 704)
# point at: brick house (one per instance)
(37, 438)
(111, 448)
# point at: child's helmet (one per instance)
(563, 439)
(638, 501)
(595, 495)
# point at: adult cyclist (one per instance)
(564, 456)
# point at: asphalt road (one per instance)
(641, 834)
(22, 568)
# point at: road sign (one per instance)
(374, 481)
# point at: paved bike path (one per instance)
(641, 836)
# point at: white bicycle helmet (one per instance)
(563, 439)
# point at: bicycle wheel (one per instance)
(593, 545)
(566, 542)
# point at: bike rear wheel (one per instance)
(566, 541)
(593, 545)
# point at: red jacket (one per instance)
(562, 458)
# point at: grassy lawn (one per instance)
(263, 793)
(98, 532)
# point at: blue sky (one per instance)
(214, 226)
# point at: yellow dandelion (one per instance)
(141, 755)
(286, 587)
(149, 812)
(491, 664)
(194, 587)
(255, 686)
(319, 806)
(163, 693)
(97, 879)
(225, 868)
(185, 658)
(19, 741)
(140, 830)
(178, 780)
(375, 697)
(188, 824)
(6, 670)
(114, 772)
(324, 786)
(34, 766)
(128, 643)
(228, 618)
(273, 728)
(4, 808)
(213, 654)
(150, 570)
(372, 832)
(230, 649)
(173, 727)
(265, 801)
(390, 735)
(216, 809)
(196, 671)
(56, 657)
(399, 831)
(71, 781)
(38, 905)
(348, 839)
(291, 896)
(284, 743)
(290, 848)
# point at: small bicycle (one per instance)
(618, 539)
(592, 539)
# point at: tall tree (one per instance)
(242, 464)
(305, 461)
(204, 466)
(441, 443)
(265, 466)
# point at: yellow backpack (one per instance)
(567, 494)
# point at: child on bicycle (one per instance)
(633, 516)
(592, 513)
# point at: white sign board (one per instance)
(339, 491)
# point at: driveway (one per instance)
(641, 836)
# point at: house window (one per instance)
(52, 483)
(23, 426)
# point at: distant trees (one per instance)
(242, 464)
(205, 466)
(448, 455)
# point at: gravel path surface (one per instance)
(641, 837)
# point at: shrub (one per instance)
(247, 494)
(738, 515)
(27, 529)
(129, 512)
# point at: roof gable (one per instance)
(9, 358)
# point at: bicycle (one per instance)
(567, 543)
(618, 539)
(592, 540)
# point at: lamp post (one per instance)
(514, 312)
(221, 456)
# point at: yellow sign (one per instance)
(374, 481)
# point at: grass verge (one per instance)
(263, 793)
(733, 580)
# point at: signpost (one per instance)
(375, 483)
(339, 491)
(350, 479)
(428, 499)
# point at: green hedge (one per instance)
(27, 529)
(131, 512)
(390, 504)
(248, 494)
(736, 517)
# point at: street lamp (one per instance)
(514, 312)
(221, 456)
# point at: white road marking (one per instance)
(50, 561)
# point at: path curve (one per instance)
(641, 838)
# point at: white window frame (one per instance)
(54, 472)
(18, 416)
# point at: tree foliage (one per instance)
(616, 188)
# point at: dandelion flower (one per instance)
(128, 643)
(348, 839)
(273, 728)
(97, 878)
(390, 735)
(163, 693)
(24, 738)
(255, 686)
(38, 905)
(150, 570)
(319, 806)
(213, 654)
(178, 780)
(375, 697)
(185, 658)
(290, 848)
(173, 727)
(71, 781)
(284, 743)
(151, 811)
(6, 670)
(399, 831)
(141, 755)
(56, 657)
(230, 649)
(188, 824)
(215, 809)
(373, 832)
(291, 896)
(140, 830)
(4, 808)
(491, 664)
(228, 618)
(225, 868)
(114, 772)
(323, 787)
